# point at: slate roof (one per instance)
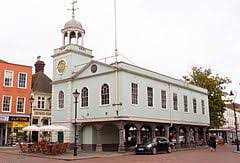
(41, 83)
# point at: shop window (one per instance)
(35, 121)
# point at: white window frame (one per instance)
(174, 102)
(63, 100)
(137, 93)
(4, 84)
(203, 106)
(81, 98)
(10, 105)
(25, 80)
(152, 97)
(24, 104)
(100, 95)
(193, 105)
(184, 104)
(162, 99)
(41, 102)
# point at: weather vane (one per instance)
(73, 8)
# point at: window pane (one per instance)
(134, 93)
(150, 96)
(175, 101)
(8, 78)
(22, 80)
(20, 104)
(6, 103)
(203, 107)
(105, 94)
(185, 104)
(164, 99)
(194, 105)
(84, 97)
(61, 100)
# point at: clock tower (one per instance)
(72, 55)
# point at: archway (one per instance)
(173, 134)
(200, 135)
(182, 136)
(89, 139)
(146, 132)
(192, 136)
(110, 137)
(130, 135)
(160, 131)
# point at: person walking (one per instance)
(212, 143)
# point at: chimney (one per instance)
(39, 65)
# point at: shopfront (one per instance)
(11, 130)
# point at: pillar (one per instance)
(138, 136)
(187, 136)
(76, 34)
(63, 39)
(204, 136)
(6, 134)
(166, 128)
(196, 136)
(177, 137)
(121, 147)
(99, 137)
(68, 36)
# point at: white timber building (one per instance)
(121, 104)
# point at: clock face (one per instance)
(61, 66)
(94, 68)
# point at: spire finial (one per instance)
(73, 9)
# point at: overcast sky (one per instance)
(167, 36)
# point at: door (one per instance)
(60, 137)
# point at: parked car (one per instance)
(154, 145)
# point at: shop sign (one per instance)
(43, 113)
(18, 119)
(3, 118)
(20, 124)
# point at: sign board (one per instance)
(20, 124)
(18, 119)
(3, 118)
(42, 113)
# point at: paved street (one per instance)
(223, 155)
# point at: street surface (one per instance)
(223, 155)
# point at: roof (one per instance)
(230, 106)
(73, 24)
(41, 83)
(2, 61)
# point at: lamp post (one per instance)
(30, 117)
(235, 117)
(75, 95)
(31, 103)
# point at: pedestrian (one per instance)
(212, 143)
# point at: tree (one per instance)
(215, 85)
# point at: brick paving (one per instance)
(224, 154)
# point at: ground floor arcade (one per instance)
(124, 135)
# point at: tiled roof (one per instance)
(230, 106)
(41, 83)
(2, 60)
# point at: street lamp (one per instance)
(30, 118)
(235, 116)
(31, 105)
(75, 95)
